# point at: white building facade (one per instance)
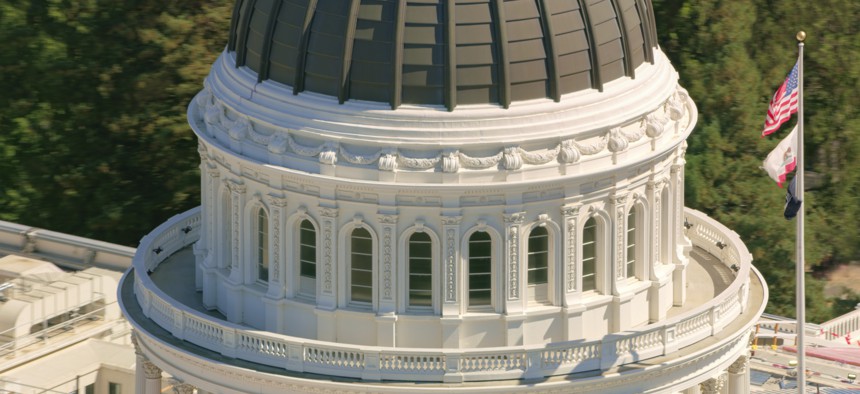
(447, 193)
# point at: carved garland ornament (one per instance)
(450, 160)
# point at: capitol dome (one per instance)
(442, 53)
(477, 195)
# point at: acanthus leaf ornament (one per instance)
(240, 128)
(617, 141)
(278, 144)
(388, 160)
(512, 159)
(451, 161)
(655, 124)
(568, 152)
(213, 115)
(328, 153)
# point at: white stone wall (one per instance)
(505, 172)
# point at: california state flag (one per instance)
(782, 160)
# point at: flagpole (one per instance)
(800, 261)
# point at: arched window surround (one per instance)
(251, 240)
(344, 266)
(642, 262)
(554, 245)
(498, 289)
(603, 252)
(294, 223)
(403, 270)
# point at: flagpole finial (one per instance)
(801, 35)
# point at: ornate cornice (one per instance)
(451, 159)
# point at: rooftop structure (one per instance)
(470, 195)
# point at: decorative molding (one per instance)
(387, 219)
(513, 222)
(480, 162)
(617, 141)
(386, 262)
(571, 214)
(450, 266)
(242, 127)
(327, 212)
(328, 230)
(620, 213)
(515, 218)
(713, 385)
(150, 370)
(739, 366)
(183, 388)
(448, 159)
(451, 220)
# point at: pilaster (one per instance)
(328, 295)
(512, 284)
(237, 200)
(277, 275)
(571, 262)
(387, 264)
(450, 280)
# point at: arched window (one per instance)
(420, 270)
(538, 268)
(630, 267)
(480, 269)
(307, 258)
(589, 255)
(361, 266)
(262, 245)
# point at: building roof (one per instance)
(442, 52)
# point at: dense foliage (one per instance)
(94, 141)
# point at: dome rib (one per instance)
(445, 53)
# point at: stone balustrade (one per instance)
(441, 365)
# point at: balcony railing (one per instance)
(441, 365)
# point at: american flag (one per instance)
(783, 104)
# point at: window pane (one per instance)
(362, 293)
(479, 265)
(479, 282)
(589, 282)
(362, 245)
(479, 297)
(589, 255)
(308, 270)
(420, 282)
(362, 261)
(537, 277)
(417, 298)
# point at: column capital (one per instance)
(713, 385)
(183, 388)
(150, 370)
(739, 366)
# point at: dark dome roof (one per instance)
(444, 52)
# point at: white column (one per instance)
(153, 378)
(139, 378)
(739, 376)
(692, 390)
